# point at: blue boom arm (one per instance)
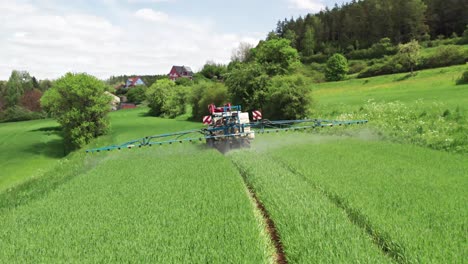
(259, 127)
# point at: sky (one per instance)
(48, 38)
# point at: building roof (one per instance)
(133, 80)
(181, 69)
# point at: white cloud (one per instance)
(50, 44)
(151, 15)
(309, 5)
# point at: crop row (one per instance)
(177, 205)
(312, 229)
(411, 200)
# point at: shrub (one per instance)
(445, 56)
(157, 95)
(356, 67)
(463, 78)
(214, 71)
(378, 50)
(390, 66)
(18, 113)
(287, 98)
(337, 67)
(166, 99)
(136, 95)
(206, 93)
(464, 38)
(79, 104)
(316, 58)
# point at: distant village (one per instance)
(120, 98)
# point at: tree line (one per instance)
(359, 24)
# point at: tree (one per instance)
(31, 100)
(308, 44)
(213, 71)
(136, 94)
(276, 56)
(14, 89)
(79, 104)
(242, 53)
(45, 85)
(158, 94)
(337, 68)
(288, 98)
(409, 54)
(207, 93)
(247, 84)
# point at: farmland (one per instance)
(333, 198)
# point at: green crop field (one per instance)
(393, 191)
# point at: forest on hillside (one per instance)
(359, 24)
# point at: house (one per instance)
(135, 81)
(180, 72)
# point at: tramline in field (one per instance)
(229, 128)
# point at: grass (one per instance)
(409, 198)
(29, 149)
(428, 109)
(435, 85)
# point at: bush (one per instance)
(166, 99)
(445, 56)
(157, 95)
(214, 71)
(137, 94)
(206, 93)
(378, 50)
(317, 58)
(464, 38)
(337, 67)
(287, 98)
(18, 113)
(356, 67)
(390, 66)
(79, 104)
(463, 78)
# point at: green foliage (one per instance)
(276, 56)
(288, 97)
(19, 113)
(214, 71)
(409, 54)
(308, 44)
(337, 68)
(378, 50)
(204, 94)
(464, 38)
(184, 81)
(356, 66)
(247, 85)
(78, 103)
(136, 94)
(14, 89)
(167, 99)
(463, 78)
(158, 94)
(446, 56)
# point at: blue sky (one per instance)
(110, 37)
